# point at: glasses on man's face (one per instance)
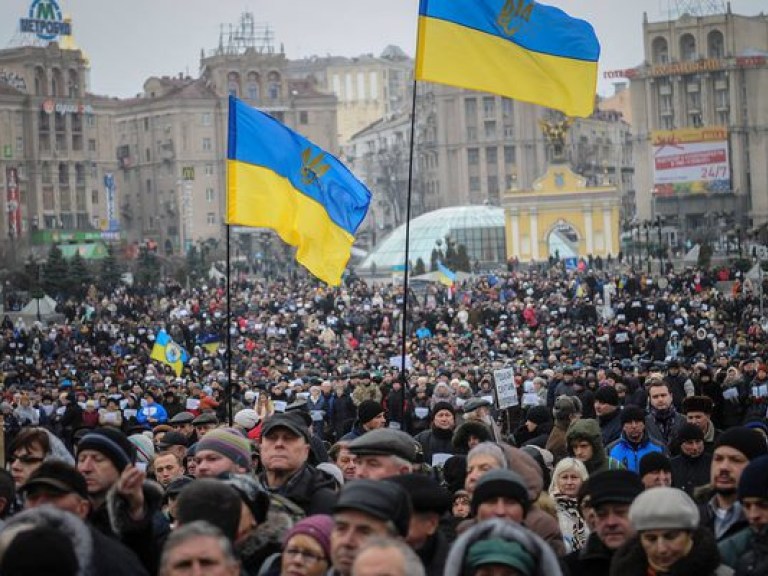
(305, 555)
(25, 459)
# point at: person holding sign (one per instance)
(436, 441)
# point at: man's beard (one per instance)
(725, 491)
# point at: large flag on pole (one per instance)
(515, 48)
(445, 275)
(278, 179)
(168, 352)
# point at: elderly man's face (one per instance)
(350, 531)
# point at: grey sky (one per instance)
(130, 40)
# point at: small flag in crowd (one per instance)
(520, 49)
(445, 275)
(278, 179)
(168, 352)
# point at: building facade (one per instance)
(57, 149)
(700, 124)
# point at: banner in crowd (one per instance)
(691, 161)
(506, 391)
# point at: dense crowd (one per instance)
(291, 442)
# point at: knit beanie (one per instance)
(500, 482)
(607, 395)
(754, 479)
(652, 462)
(318, 527)
(442, 406)
(112, 443)
(230, 443)
(368, 410)
(632, 414)
(688, 432)
(747, 441)
(145, 449)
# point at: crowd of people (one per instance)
(297, 440)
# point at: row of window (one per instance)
(58, 83)
(489, 104)
(253, 87)
(492, 155)
(687, 49)
(355, 88)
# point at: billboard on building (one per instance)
(691, 160)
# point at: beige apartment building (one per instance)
(367, 87)
(701, 125)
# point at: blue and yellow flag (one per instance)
(278, 179)
(168, 352)
(515, 48)
(445, 275)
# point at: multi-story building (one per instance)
(57, 149)
(367, 87)
(700, 123)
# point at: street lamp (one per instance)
(647, 226)
(661, 245)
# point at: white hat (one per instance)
(247, 418)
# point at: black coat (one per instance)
(592, 560)
(702, 560)
(691, 473)
(434, 554)
(310, 489)
(610, 427)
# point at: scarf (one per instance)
(572, 525)
(664, 419)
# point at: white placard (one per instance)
(280, 405)
(531, 399)
(397, 362)
(506, 391)
(129, 413)
(193, 404)
(440, 458)
(421, 412)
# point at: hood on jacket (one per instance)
(545, 561)
(75, 529)
(589, 430)
(58, 450)
(525, 465)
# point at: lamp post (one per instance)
(661, 246)
(647, 226)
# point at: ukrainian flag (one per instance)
(168, 352)
(278, 179)
(515, 48)
(445, 275)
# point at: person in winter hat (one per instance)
(501, 542)
(747, 551)
(734, 449)
(669, 539)
(437, 439)
(585, 443)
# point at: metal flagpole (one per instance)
(404, 352)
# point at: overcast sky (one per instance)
(131, 40)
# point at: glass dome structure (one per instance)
(479, 228)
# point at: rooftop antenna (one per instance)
(245, 35)
(677, 8)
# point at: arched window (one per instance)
(253, 87)
(57, 83)
(660, 50)
(715, 44)
(688, 48)
(73, 84)
(233, 84)
(273, 85)
(41, 84)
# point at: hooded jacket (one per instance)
(629, 454)
(97, 554)
(589, 430)
(702, 560)
(545, 561)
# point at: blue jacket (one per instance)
(630, 454)
(155, 411)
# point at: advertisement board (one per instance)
(691, 160)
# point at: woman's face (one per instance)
(303, 556)
(569, 483)
(664, 548)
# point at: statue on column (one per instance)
(554, 133)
